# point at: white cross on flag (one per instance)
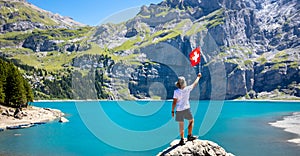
(195, 56)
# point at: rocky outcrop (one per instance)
(195, 148)
(40, 43)
(26, 117)
(92, 61)
(22, 26)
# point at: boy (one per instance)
(181, 102)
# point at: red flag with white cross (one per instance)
(195, 56)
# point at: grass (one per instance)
(164, 12)
(16, 35)
(129, 44)
(215, 22)
(95, 50)
(262, 60)
(196, 28)
(211, 20)
(171, 34)
(294, 65)
(143, 16)
(233, 61)
(62, 33)
(222, 54)
(248, 62)
(214, 19)
(20, 12)
(52, 62)
(11, 39)
(280, 57)
(278, 65)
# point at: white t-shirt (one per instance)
(182, 96)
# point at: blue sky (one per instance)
(93, 12)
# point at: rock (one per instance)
(13, 127)
(26, 125)
(40, 43)
(297, 92)
(194, 148)
(63, 120)
(236, 83)
(131, 32)
(4, 112)
(40, 123)
(22, 26)
(10, 112)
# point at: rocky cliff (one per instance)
(250, 49)
(255, 42)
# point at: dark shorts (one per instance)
(185, 114)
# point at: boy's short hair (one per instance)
(181, 82)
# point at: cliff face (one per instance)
(255, 41)
(250, 49)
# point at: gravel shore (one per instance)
(27, 117)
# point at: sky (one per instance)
(94, 12)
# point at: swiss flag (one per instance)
(195, 56)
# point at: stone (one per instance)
(63, 120)
(4, 112)
(194, 148)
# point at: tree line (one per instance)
(15, 91)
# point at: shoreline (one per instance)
(265, 100)
(291, 124)
(28, 117)
(259, 100)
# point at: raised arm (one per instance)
(197, 80)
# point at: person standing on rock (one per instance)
(181, 102)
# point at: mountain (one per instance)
(19, 15)
(256, 42)
(250, 49)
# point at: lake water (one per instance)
(146, 128)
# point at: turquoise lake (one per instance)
(146, 128)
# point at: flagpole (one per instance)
(200, 67)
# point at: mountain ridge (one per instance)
(20, 15)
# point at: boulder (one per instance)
(196, 147)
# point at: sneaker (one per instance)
(181, 142)
(191, 137)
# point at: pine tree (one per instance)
(15, 94)
(2, 80)
(28, 90)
